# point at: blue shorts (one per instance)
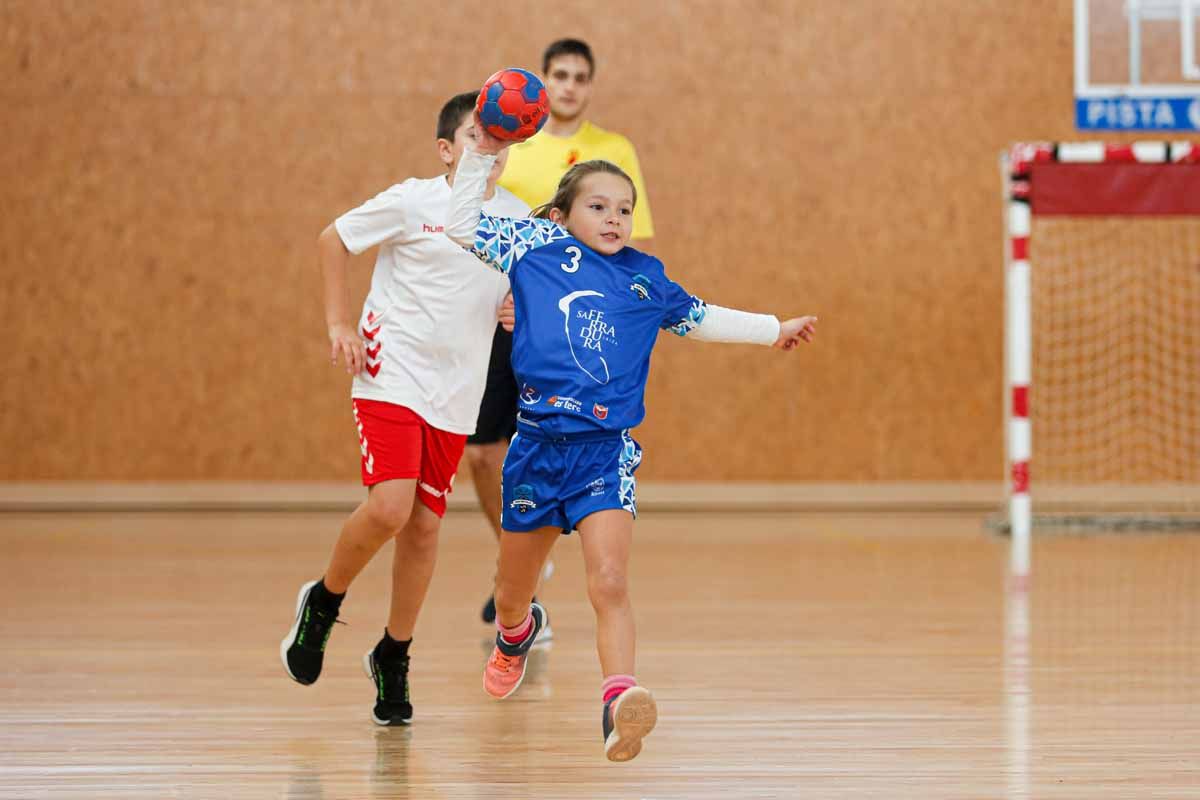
(557, 482)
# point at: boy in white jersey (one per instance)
(419, 356)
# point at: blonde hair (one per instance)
(568, 187)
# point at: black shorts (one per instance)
(498, 412)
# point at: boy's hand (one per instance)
(485, 143)
(793, 331)
(508, 313)
(344, 341)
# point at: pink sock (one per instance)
(615, 684)
(517, 633)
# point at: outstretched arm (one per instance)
(719, 324)
(795, 330)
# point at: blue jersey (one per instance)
(586, 323)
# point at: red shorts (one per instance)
(397, 444)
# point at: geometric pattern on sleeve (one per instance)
(502, 241)
(694, 317)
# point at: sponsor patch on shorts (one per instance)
(522, 498)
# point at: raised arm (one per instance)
(499, 242)
(466, 196)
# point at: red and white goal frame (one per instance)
(1085, 179)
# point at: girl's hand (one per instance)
(793, 331)
(508, 313)
(485, 143)
(344, 341)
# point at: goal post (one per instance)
(1102, 337)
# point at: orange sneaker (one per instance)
(628, 718)
(506, 668)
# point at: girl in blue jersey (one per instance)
(589, 310)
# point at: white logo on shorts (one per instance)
(364, 445)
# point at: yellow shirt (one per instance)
(536, 165)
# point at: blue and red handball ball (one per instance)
(512, 104)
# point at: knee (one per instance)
(388, 510)
(608, 587)
(421, 532)
(475, 456)
(486, 457)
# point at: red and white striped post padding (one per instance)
(1023, 156)
(1019, 346)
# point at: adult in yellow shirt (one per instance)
(533, 171)
(536, 165)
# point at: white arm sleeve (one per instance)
(466, 196)
(499, 242)
(729, 325)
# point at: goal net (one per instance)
(1102, 339)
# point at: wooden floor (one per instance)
(792, 655)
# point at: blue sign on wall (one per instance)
(1127, 113)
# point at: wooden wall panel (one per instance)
(168, 166)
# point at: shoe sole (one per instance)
(634, 716)
(370, 670)
(290, 639)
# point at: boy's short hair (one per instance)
(568, 47)
(451, 115)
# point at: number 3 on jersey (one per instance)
(575, 253)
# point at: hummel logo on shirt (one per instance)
(427, 228)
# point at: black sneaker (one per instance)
(392, 706)
(628, 718)
(303, 649)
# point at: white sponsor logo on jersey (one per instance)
(593, 333)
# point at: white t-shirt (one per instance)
(429, 318)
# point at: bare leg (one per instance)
(487, 462)
(607, 537)
(521, 558)
(412, 569)
(377, 519)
